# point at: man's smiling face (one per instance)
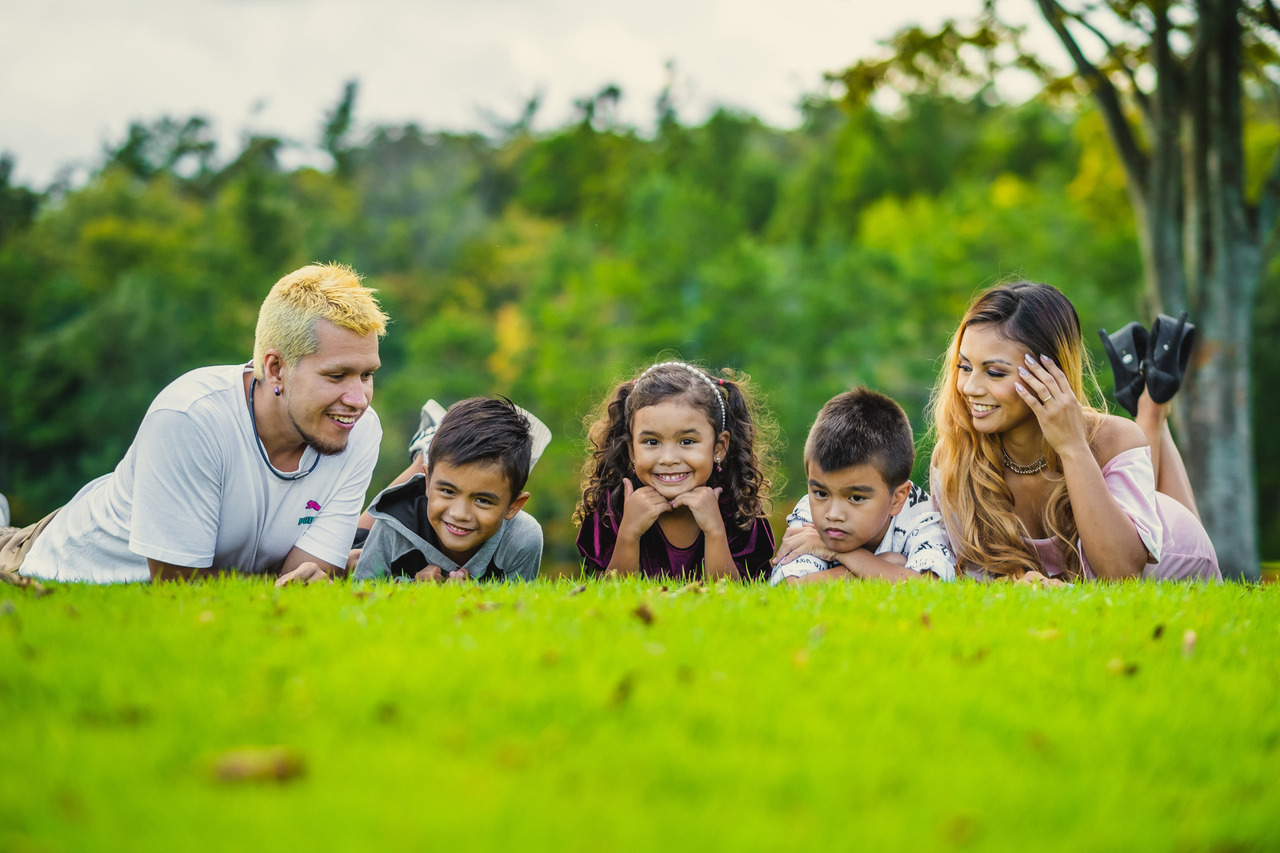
(328, 390)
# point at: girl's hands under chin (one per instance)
(704, 503)
(641, 507)
(1046, 391)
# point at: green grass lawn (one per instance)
(626, 717)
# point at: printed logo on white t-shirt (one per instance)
(307, 519)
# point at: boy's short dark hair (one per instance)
(485, 429)
(862, 427)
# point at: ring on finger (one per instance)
(1046, 400)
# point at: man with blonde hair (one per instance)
(258, 468)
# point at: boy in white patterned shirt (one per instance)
(863, 517)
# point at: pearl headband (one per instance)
(698, 373)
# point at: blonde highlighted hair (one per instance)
(977, 505)
(288, 317)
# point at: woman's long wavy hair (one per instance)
(745, 471)
(977, 504)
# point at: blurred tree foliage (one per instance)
(546, 266)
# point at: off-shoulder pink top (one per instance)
(1176, 540)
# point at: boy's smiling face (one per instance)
(466, 505)
(851, 508)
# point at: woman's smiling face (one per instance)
(674, 447)
(985, 376)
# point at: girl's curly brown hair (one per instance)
(747, 466)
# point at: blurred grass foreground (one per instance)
(630, 716)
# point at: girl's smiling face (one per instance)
(674, 447)
(985, 376)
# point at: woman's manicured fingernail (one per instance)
(1022, 371)
(1029, 359)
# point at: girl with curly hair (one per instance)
(674, 485)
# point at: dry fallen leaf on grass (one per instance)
(644, 613)
(1120, 667)
(25, 583)
(259, 764)
(622, 690)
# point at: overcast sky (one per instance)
(74, 73)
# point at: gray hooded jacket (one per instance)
(402, 542)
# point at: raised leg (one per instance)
(1171, 474)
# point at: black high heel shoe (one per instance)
(1126, 350)
(1168, 352)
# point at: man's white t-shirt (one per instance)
(193, 490)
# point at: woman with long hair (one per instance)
(1032, 479)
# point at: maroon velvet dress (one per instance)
(751, 549)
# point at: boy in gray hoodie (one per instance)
(462, 519)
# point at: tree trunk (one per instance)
(1217, 444)
(1219, 414)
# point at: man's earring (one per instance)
(277, 390)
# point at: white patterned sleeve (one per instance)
(806, 564)
(926, 546)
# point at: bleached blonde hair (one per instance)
(288, 317)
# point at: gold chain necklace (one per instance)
(1034, 468)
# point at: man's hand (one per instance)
(798, 541)
(308, 572)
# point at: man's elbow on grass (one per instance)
(162, 572)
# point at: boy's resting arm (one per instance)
(839, 573)
(861, 563)
(805, 565)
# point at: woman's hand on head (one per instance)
(1046, 391)
(704, 503)
(641, 507)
